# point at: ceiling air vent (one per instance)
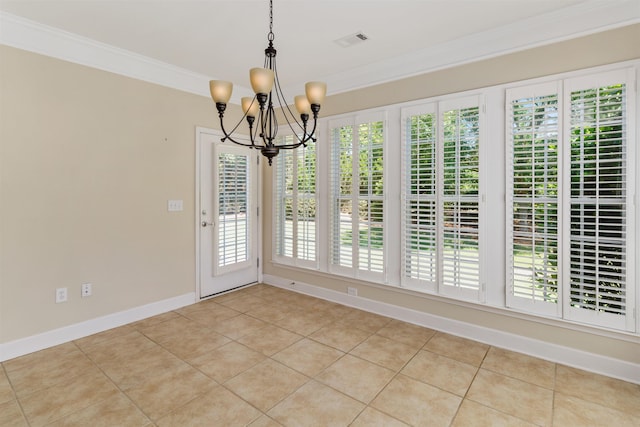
(352, 39)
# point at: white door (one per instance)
(227, 214)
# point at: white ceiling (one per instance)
(223, 39)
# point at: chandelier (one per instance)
(259, 110)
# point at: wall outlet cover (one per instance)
(61, 295)
(86, 290)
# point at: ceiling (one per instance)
(218, 39)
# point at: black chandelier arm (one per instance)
(268, 123)
(228, 135)
(290, 117)
(304, 139)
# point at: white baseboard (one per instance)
(48, 339)
(596, 363)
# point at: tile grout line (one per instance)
(113, 383)
(15, 394)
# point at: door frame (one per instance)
(200, 131)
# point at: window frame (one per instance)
(563, 87)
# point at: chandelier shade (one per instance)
(315, 92)
(220, 91)
(250, 106)
(259, 111)
(261, 80)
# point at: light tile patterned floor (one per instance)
(264, 356)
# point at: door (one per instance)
(227, 237)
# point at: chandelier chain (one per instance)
(271, 36)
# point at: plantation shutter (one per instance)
(370, 198)
(419, 190)
(533, 153)
(460, 198)
(295, 204)
(305, 174)
(441, 198)
(599, 201)
(357, 189)
(233, 203)
(284, 217)
(570, 199)
(342, 157)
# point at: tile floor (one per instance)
(264, 356)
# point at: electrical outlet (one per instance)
(61, 295)
(352, 291)
(86, 290)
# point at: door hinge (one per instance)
(258, 262)
(258, 211)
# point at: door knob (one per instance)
(205, 224)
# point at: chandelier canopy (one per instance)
(259, 110)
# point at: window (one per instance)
(233, 237)
(516, 196)
(295, 203)
(569, 201)
(357, 197)
(441, 198)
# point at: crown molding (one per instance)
(32, 36)
(585, 18)
(589, 17)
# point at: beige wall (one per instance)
(88, 161)
(604, 48)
